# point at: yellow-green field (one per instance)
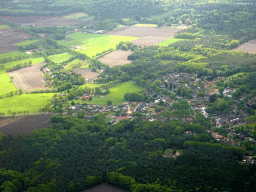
(60, 57)
(116, 94)
(4, 26)
(170, 41)
(74, 63)
(80, 16)
(27, 42)
(95, 43)
(12, 54)
(27, 102)
(6, 84)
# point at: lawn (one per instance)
(27, 102)
(169, 41)
(27, 42)
(6, 85)
(60, 57)
(116, 94)
(146, 25)
(4, 26)
(95, 43)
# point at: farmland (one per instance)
(28, 102)
(169, 41)
(117, 57)
(116, 94)
(60, 57)
(249, 47)
(27, 42)
(4, 27)
(87, 73)
(6, 85)
(95, 43)
(74, 63)
(28, 78)
(12, 54)
(80, 16)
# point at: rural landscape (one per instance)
(125, 95)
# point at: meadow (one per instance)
(116, 94)
(60, 57)
(6, 85)
(95, 43)
(25, 102)
(27, 42)
(4, 26)
(169, 41)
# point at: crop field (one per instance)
(28, 78)
(91, 85)
(6, 85)
(117, 57)
(80, 16)
(148, 41)
(25, 124)
(170, 41)
(27, 42)
(87, 73)
(60, 57)
(12, 54)
(236, 75)
(28, 102)
(249, 47)
(116, 94)
(74, 63)
(95, 43)
(4, 26)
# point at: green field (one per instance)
(4, 26)
(95, 43)
(169, 41)
(27, 42)
(86, 66)
(146, 25)
(12, 54)
(236, 75)
(27, 102)
(60, 57)
(91, 85)
(116, 94)
(6, 85)
(80, 16)
(73, 63)
(34, 61)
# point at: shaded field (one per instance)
(8, 38)
(25, 124)
(28, 102)
(60, 57)
(249, 47)
(87, 73)
(116, 94)
(29, 78)
(170, 41)
(117, 57)
(6, 84)
(105, 187)
(149, 41)
(44, 21)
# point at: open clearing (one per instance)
(8, 38)
(249, 47)
(117, 57)
(6, 85)
(87, 73)
(28, 78)
(170, 41)
(28, 102)
(116, 94)
(44, 21)
(60, 57)
(24, 124)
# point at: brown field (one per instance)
(44, 21)
(105, 187)
(249, 47)
(29, 78)
(8, 38)
(24, 124)
(117, 57)
(149, 41)
(87, 73)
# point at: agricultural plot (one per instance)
(170, 41)
(116, 94)
(91, 85)
(148, 41)
(95, 43)
(88, 74)
(27, 42)
(60, 57)
(74, 63)
(12, 54)
(44, 21)
(145, 25)
(80, 16)
(4, 26)
(117, 57)
(6, 85)
(25, 102)
(25, 124)
(28, 78)
(249, 47)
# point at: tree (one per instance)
(221, 89)
(109, 102)
(20, 91)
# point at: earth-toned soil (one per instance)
(87, 73)
(105, 187)
(29, 78)
(8, 38)
(148, 41)
(117, 57)
(249, 47)
(24, 124)
(44, 21)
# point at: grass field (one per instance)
(27, 42)
(73, 63)
(169, 41)
(91, 85)
(12, 54)
(235, 75)
(95, 43)
(146, 25)
(4, 26)
(34, 61)
(116, 94)
(60, 57)
(86, 66)
(27, 102)
(80, 16)
(6, 85)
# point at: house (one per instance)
(76, 30)
(111, 121)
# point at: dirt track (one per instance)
(117, 57)
(28, 78)
(249, 47)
